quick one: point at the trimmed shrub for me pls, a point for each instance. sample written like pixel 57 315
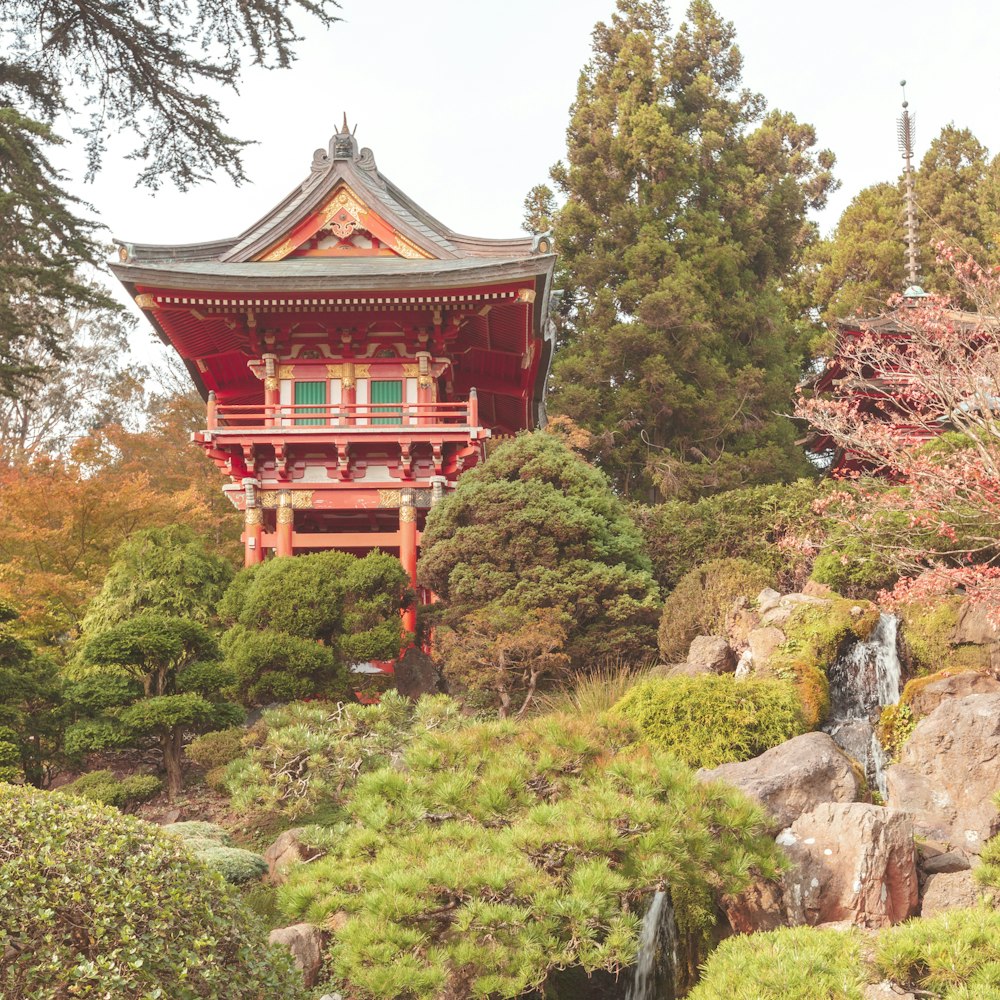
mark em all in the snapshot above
pixel 216 749
pixel 710 720
pixel 792 963
pixel 702 599
pixel 104 787
pixel 93 903
pixel 234 864
pixel 199 828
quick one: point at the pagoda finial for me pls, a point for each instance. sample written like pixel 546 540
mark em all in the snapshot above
pixel 344 129
pixel 905 128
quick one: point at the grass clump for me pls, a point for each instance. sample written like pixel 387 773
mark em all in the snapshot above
pixel 104 787
pixel 489 855
pixel 702 599
pixel 710 720
pixel 793 963
pixel 595 691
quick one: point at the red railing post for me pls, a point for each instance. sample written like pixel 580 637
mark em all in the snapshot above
pixel 212 418
pixel 473 408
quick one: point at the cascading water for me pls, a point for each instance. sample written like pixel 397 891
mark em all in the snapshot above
pixel 655 973
pixel 862 682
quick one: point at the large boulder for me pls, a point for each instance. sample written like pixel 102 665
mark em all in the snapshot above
pixel 926 697
pixel 850 862
pixel 949 771
pixel 710 654
pixel 950 891
pixel 289 849
pixel 762 643
pixel 305 942
pixel 794 777
pixel 975 625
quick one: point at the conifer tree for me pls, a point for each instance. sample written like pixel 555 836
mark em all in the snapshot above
pixel 685 212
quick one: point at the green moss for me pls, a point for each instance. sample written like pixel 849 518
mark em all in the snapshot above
pixel 710 720
pixel 895 726
pixel 815 635
pixel 927 630
pixel 793 963
pixel 701 600
pixel 198 828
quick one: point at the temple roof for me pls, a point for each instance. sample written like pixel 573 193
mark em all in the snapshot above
pixel 342 177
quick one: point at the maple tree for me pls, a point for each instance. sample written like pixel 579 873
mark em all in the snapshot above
pixel 919 412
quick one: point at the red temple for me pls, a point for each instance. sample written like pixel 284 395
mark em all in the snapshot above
pixel 355 355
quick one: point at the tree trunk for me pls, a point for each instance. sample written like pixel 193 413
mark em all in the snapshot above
pixel 172 742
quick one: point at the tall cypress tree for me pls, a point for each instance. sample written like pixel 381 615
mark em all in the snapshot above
pixel 685 212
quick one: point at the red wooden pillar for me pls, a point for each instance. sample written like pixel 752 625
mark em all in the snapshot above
pixel 285 517
pixel 253 552
pixel 408 550
pixel 272 395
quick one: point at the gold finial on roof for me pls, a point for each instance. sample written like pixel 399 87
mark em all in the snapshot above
pixel 344 129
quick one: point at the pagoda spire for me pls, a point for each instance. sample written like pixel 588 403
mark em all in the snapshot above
pixel 905 130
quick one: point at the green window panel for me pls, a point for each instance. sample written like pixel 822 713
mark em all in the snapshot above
pixel 310 392
pixel 387 391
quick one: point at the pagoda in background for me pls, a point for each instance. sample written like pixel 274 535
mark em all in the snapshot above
pixel 354 353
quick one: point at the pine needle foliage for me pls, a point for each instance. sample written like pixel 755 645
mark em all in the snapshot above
pixel 487 855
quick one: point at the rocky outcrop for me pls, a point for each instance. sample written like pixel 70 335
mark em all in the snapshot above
pixel 950 891
pixel 851 862
pixel 925 698
pixel 794 777
pixel 710 654
pixel 305 942
pixel 776 609
pixel 974 625
pixel 289 849
pixel 949 771
pixel 762 643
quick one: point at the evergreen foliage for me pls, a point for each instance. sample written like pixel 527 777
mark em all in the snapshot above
pixel 32 713
pixel 102 786
pixel 535 527
pixel 179 693
pixel 710 720
pixel 702 600
pixel 485 856
pixel 863 263
pixel 295 624
pixel 210 844
pixel 685 214
pixel 94 903
pixel 168 570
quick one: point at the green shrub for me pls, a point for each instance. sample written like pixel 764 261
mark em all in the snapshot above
pixel 216 749
pixel 710 720
pixel 96 904
pixel 486 856
pixel 104 787
pixel 792 963
pixel 895 727
pixel 954 956
pixel 747 524
pixel 234 864
pixel 702 599
pixel 199 828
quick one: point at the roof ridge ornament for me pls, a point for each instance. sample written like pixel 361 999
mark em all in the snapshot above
pixel 342 146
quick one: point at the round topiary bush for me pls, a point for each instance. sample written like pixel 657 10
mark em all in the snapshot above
pixel 710 720
pixel 216 749
pixel 93 903
pixel 699 603
pixel 104 787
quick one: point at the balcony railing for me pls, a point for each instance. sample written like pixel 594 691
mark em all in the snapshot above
pixel 265 418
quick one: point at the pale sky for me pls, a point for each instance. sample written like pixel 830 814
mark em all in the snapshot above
pixel 465 104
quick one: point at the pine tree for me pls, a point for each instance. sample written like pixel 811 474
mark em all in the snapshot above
pixel 863 264
pixel 685 212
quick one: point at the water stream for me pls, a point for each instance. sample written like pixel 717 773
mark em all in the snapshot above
pixel 655 974
pixel 863 681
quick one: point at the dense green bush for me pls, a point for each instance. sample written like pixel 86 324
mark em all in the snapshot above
pixel 104 787
pixel 212 846
pixel 702 599
pixel 792 963
pixel 96 904
pixel 710 720
pixel 753 523
pixel 216 749
pixel 535 527
pixel 485 856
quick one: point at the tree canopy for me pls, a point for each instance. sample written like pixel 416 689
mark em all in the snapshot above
pixel 686 210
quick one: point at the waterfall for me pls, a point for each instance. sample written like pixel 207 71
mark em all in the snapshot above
pixel 863 681
pixel 655 973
